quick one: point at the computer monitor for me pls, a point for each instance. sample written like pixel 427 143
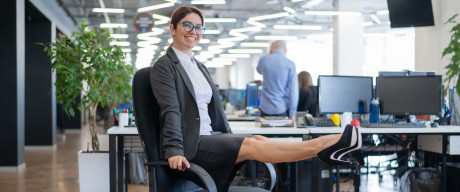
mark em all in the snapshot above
pixel 415 95
pixel 236 97
pixel 338 94
pixel 252 96
pixel 410 13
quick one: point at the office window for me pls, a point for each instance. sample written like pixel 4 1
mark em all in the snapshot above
pixel 313 54
pixel 393 51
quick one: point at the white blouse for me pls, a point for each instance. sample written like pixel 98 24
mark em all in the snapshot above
pixel 203 91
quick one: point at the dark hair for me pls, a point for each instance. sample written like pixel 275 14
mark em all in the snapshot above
pixel 305 81
pixel 183 11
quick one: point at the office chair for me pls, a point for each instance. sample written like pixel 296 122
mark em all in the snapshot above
pixel 160 176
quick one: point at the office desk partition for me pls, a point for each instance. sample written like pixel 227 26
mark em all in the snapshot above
pixel 116 141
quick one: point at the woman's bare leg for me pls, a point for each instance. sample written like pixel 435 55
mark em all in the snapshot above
pixel 265 150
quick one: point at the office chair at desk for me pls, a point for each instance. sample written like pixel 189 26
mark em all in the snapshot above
pixel 161 177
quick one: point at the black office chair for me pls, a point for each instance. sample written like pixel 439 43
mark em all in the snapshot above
pixel 161 177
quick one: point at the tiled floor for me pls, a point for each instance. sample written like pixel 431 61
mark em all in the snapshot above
pixel 56 170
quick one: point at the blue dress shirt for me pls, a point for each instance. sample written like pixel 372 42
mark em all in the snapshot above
pixel 280 85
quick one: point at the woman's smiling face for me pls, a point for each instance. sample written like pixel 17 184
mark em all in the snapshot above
pixel 183 40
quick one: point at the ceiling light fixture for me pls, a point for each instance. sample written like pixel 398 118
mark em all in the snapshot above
pixel 235 55
pixel 219 20
pixel 297 0
pixel 119 36
pixel 332 13
pixel 375 18
pixel 205 41
pixel 160 19
pixel 312 3
pixel 383 12
pixel 288 9
pixel 269 16
pixel 108 10
pixel 154 7
pixel 368 23
pixel 126 50
pixel 275 37
pixel 245 51
pixel 211 32
pixel 250 44
pixel 203 2
pixel 120 43
pixel 113 25
pixel 300 27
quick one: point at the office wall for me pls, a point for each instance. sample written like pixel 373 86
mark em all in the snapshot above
pixel 38 125
pixel 12 85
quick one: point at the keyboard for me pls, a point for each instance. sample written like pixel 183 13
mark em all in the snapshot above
pixel 395 125
pixel 274 117
pixel 322 122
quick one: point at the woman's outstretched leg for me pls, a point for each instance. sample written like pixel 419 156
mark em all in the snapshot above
pixel 265 150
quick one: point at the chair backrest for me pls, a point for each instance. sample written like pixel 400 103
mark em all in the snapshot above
pixel 146 110
pixel 147 113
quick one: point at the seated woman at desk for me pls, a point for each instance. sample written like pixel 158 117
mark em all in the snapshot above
pixel 307 94
pixel 191 115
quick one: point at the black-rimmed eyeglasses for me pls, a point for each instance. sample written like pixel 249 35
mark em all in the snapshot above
pixel 188 27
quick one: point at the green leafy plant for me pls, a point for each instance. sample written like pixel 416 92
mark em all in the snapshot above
pixel 453 49
pixel 87 64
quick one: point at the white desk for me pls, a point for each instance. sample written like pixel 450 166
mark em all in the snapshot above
pixel 116 135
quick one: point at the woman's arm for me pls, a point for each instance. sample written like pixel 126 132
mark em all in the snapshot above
pixel 163 83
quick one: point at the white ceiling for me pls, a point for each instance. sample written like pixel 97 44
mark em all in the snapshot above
pixel 239 9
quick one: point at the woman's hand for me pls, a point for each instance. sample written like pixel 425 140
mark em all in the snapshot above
pixel 176 162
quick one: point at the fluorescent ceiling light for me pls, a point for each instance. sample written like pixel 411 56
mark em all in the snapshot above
pixel 269 16
pixel 219 20
pixel 211 32
pixel 332 13
pixel 260 25
pixel 170 40
pixel 196 48
pixel 165 47
pixel 312 3
pixel 126 50
pixel 205 41
pixel 160 19
pixel 245 51
pixel 120 43
pixel 275 37
pixel 119 36
pixel 108 10
pixel 224 59
pixel 254 44
pixel 201 2
pixel 288 9
pixel 246 29
pixel 383 12
pixel 300 27
pixel 154 7
pixel 297 0
pixel 375 18
pixel 113 25
pixel 235 55
pixel 368 23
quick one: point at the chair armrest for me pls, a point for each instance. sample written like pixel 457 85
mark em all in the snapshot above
pixel 272 172
pixel 195 169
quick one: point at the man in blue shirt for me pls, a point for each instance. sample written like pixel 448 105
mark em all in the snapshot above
pixel 280 93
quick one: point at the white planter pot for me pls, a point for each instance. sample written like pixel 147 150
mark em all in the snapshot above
pixel 93 170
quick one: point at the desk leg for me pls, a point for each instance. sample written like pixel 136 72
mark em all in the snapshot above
pixel 120 162
pixel 444 166
pixel 113 162
pixel 337 178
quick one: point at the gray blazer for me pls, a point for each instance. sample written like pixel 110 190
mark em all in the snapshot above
pixel 179 117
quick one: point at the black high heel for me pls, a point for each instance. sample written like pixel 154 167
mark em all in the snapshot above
pixel 350 141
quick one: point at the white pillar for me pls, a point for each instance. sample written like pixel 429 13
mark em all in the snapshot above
pixel 348 39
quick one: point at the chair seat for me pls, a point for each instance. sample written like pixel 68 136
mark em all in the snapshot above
pixel 246 189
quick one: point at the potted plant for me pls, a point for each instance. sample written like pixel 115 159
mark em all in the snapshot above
pixel 86 64
pixel 453 49
pixel 452 75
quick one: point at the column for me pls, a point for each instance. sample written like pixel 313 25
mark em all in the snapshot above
pixel 12 83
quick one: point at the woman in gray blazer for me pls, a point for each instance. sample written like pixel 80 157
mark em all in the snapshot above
pixel 191 114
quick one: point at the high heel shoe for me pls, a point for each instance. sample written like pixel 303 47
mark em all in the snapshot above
pixel 350 141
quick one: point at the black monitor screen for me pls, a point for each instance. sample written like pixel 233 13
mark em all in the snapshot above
pixel 252 95
pixel 417 95
pixel 410 13
pixel 338 94
pixel 236 97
